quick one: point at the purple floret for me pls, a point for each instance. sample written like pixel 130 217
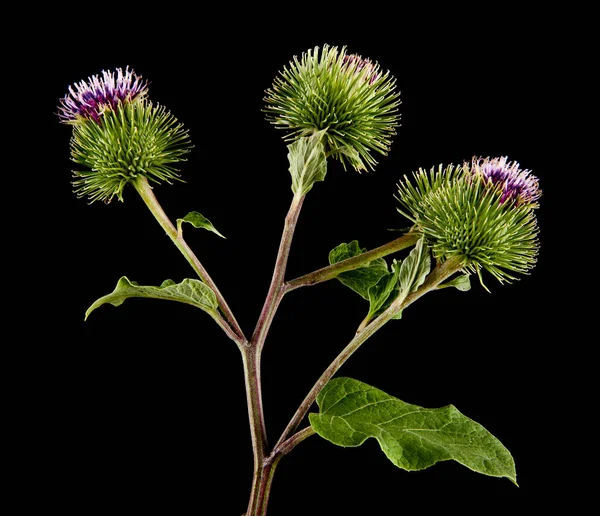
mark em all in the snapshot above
pixel 518 185
pixel 88 100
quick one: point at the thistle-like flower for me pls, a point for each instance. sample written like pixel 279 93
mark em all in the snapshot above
pixel 517 185
pixel 464 212
pixel 119 136
pixel 89 100
pixel 348 96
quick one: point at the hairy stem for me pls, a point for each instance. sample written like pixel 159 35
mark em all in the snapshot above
pixel 438 275
pixel 261 488
pixel 288 445
pixel 263 471
pixel 331 271
pixel 276 289
pixel 232 328
pixel 258 432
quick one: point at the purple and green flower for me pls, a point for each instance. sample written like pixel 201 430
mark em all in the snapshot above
pixel 481 212
pixel 119 136
pixel 88 100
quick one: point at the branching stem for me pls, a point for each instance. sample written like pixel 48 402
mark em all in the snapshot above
pixel 332 271
pixel 438 275
pixel 231 326
pixel 252 352
pixel 265 463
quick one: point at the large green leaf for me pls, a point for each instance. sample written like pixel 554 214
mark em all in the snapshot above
pixel 190 291
pixel 362 279
pixel 308 162
pixel 412 437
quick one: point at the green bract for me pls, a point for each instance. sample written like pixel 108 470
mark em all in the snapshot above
pixel 136 139
pixel 343 94
pixel 463 214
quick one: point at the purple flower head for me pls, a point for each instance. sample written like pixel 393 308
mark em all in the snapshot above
pixel 88 100
pixel 357 63
pixel 518 185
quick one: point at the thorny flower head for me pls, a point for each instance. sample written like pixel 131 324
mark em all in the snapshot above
pixel 119 136
pixel 517 185
pixel 347 96
pixel 488 222
pixel 88 100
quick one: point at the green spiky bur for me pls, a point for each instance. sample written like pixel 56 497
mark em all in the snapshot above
pixel 462 215
pixel 343 94
pixel 136 139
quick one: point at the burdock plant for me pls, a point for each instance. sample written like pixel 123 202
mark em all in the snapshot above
pixel 475 217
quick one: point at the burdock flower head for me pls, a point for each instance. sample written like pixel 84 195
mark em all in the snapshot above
pixel 348 97
pixel 119 136
pixel 89 100
pixel 516 184
pixel 482 213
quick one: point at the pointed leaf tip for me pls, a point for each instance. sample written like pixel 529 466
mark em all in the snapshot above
pixel 462 283
pixel 199 221
pixel 189 291
pixel 412 437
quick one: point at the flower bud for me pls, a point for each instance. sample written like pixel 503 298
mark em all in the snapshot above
pixel 345 95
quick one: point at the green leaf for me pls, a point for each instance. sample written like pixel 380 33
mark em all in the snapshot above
pixel 382 293
pixel 308 162
pixel 414 268
pixel 345 251
pixel 353 157
pixel 197 220
pixel 362 279
pixel 405 278
pixel 190 291
pixel 412 437
pixel 462 283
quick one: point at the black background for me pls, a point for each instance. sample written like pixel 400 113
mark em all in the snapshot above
pixel 142 407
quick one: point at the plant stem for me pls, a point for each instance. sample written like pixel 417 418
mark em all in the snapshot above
pixel 263 478
pixel 438 275
pixel 263 470
pixel 288 445
pixel 261 489
pixel 232 328
pixel 276 289
pixel 331 271
pixel 251 361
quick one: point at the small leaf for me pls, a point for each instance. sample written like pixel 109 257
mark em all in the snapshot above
pixel 412 437
pixel 381 294
pixel 414 268
pixel 308 162
pixel 362 279
pixel 462 283
pixel 409 274
pixel 197 220
pixel 353 157
pixel 190 291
